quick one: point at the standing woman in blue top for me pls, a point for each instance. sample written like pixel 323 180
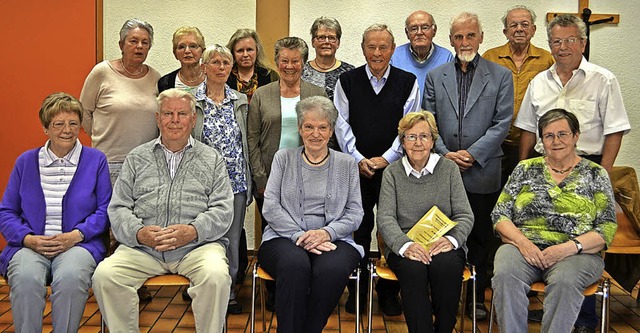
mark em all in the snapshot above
pixel 54 216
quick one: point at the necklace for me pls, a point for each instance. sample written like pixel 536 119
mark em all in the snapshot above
pixel 132 74
pixel 315 163
pixel 560 171
pixel 315 61
pixel 189 82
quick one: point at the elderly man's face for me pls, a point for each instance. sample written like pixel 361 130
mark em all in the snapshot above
pixel 420 30
pixel 567 46
pixel 520 28
pixel 466 38
pixel 175 121
pixel 377 49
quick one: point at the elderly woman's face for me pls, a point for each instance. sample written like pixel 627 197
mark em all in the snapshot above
pixel 188 52
pixel 315 131
pixel 290 65
pixel 135 46
pixel 558 140
pixel 417 144
pixel 217 68
pixel 63 132
pixel 325 42
pixel 245 52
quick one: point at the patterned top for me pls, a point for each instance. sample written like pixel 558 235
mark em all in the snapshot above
pixel 548 213
pixel 325 79
pixel 221 131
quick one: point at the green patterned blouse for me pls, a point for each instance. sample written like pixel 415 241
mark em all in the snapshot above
pixel 548 213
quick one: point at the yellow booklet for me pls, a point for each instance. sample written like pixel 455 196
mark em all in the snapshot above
pixel 433 225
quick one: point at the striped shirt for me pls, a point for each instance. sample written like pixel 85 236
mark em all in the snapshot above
pixel 174 159
pixel 55 176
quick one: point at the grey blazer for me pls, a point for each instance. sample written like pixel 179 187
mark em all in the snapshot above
pixel 264 126
pixel 240 110
pixel 485 119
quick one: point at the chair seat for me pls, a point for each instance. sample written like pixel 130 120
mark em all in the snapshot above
pixel 261 273
pixel 591 290
pixel 167 280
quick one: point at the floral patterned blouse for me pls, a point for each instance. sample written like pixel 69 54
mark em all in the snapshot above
pixel 221 131
pixel 550 213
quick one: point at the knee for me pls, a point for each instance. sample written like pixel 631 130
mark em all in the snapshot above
pixel 103 276
pixel 72 279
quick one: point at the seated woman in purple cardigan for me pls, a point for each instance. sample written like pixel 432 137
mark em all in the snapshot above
pixel 53 216
pixel 312 204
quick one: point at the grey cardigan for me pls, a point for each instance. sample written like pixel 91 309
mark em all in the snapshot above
pixel 240 110
pixel 284 198
pixel 405 199
pixel 199 194
pixel 264 126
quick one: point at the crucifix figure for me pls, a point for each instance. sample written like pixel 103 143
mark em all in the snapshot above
pixel 589 19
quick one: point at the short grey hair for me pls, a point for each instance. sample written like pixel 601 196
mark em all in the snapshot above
pixel 133 23
pixel 179 94
pixel 292 43
pixel 465 17
pixel 210 51
pixel 327 22
pixel 406 21
pixel 518 7
pixel 377 27
pixel 554 115
pixel 318 104
pixel 568 20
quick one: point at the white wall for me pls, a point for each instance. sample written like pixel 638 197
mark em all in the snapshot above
pixel 219 20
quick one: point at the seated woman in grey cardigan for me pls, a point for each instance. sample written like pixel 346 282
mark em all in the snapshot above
pixel 430 280
pixel 312 204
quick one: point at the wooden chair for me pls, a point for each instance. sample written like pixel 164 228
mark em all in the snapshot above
pixel 260 274
pixel 601 288
pixel 380 269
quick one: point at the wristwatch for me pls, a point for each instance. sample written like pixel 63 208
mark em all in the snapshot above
pixel 578 245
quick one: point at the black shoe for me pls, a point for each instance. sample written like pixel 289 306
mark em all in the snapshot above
pixel 270 303
pixel 583 329
pixel 144 295
pixel 350 305
pixel 234 307
pixel 535 315
pixel 481 311
pixel 185 296
pixel 390 306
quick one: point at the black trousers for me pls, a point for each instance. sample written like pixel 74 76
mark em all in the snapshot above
pixel 370 191
pixel 482 241
pixel 308 286
pixel 430 289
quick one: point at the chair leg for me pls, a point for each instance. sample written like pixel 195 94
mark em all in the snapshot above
pixel 463 300
pixel 473 288
pixel 604 325
pixel 263 306
pixel 253 298
pixel 491 311
pixel 358 314
pixel 372 273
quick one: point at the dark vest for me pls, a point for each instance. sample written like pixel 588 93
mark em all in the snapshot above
pixel 374 118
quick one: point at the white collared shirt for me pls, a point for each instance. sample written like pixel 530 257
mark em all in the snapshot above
pixel 174 159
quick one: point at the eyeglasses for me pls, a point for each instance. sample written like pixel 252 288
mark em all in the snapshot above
pixel 330 39
pixel 569 41
pixel 414 29
pixel 306 128
pixel 415 137
pixel 59 125
pixel 524 24
pixel 184 47
pixel 562 136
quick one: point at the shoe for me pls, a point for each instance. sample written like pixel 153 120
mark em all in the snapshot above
pixel 144 295
pixel 185 296
pixel 390 306
pixel 535 315
pixel 583 329
pixel 481 311
pixel 234 307
pixel 350 305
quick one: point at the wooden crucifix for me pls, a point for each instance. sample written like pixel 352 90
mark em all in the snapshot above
pixel 589 19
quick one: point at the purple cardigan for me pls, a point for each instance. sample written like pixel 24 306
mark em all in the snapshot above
pixel 84 206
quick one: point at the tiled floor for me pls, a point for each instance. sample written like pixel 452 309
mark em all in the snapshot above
pixel 167 312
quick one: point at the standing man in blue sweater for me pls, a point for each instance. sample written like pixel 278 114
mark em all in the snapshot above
pixel 421 54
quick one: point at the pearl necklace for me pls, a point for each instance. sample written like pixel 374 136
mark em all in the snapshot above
pixel 189 82
pixel 132 74
pixel 315 163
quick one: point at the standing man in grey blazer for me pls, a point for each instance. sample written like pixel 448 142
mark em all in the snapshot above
pixel 472 100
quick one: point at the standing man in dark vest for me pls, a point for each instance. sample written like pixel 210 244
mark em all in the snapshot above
pixel 371 99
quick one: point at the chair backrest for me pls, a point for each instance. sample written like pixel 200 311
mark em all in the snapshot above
pixel 627 193
pixel 626 236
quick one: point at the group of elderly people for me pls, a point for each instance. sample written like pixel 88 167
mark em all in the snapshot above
pixel 231 129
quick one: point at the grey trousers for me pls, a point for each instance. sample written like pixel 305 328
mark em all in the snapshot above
pixel 566 281
pixel 233 252
pixel 70 275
